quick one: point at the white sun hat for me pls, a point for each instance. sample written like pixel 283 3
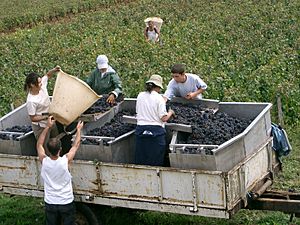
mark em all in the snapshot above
pixel 157 80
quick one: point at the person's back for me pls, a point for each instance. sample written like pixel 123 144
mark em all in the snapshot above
pixel 58 191
pixel 151 117
pixel 147 107
pixel 57 180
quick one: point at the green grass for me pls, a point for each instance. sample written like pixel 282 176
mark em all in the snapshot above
pixel 29 211
pixel 19 210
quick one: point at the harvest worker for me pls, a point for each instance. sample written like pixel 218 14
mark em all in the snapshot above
pixel 151 33
pixel 38 101
pixel 187 85
pixel 151 117
pixel 58 191
pixel 105 80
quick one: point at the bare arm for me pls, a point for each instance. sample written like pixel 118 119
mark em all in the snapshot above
pixel 158 33
pixel 38 118
pixel 168 116
pixel 50 73
pixel 165 99
pixel 146 34
pixel 41 140
pixel 70 155
pixel 192 95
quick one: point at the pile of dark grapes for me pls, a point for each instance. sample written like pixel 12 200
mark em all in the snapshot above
pixel 193 150
pixel 114 128
pixel 101 105
pixel 20 129
pixel 207 128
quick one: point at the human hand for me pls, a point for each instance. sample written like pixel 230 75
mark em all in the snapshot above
pixel 50 121
pixel 56 69
pixel 172 112
pixel 191 95
pixel 79 125
pixel 52 71
pixel 165 98
pixel 111 99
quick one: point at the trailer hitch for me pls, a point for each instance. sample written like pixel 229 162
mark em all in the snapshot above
pixel 256 194
pixel 283 201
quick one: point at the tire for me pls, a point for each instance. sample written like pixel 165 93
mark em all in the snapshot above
pixel 84 215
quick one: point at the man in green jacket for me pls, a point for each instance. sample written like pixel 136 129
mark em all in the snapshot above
pixel 105 80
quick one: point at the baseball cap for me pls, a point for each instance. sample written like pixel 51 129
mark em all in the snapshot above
pixel 102 61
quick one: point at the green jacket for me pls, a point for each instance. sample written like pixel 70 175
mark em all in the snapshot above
pixel 109 83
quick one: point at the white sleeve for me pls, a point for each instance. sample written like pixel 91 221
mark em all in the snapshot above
pixel 162 111
pixel 44 82
pixel 200 83
pixel 31 108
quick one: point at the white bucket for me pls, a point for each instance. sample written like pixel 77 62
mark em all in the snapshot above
pixel 156 21
pixel 71 97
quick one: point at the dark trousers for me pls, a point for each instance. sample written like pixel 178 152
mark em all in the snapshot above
pixel 150 145
pixel 60 214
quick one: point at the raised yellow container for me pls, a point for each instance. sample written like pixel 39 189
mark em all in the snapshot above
pixel 71 97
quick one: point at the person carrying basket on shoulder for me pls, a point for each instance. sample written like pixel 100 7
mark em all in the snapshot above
pixel 151 32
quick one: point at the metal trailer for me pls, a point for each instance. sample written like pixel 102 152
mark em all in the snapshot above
pixel 202 192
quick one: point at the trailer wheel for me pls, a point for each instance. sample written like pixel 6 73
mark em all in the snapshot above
pixel 85 216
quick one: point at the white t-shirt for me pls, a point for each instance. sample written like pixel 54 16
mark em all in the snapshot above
pixel 57 181
pixel 152 35
pixel 38 104
pixel 150 108
pixel 192 84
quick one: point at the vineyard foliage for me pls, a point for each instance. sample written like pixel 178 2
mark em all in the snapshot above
pixel 16 13
pixel 243 50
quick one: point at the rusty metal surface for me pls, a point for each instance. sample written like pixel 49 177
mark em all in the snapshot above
pixel 161 207
pixel 217 191
pixel 19 171
pixel 133 204
pixel 245 175
pixel 197 192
